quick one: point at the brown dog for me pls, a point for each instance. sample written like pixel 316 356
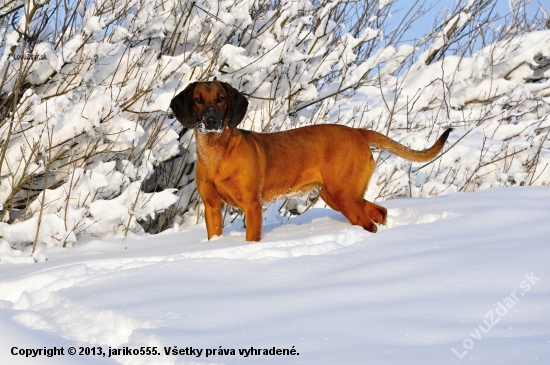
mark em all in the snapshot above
pixel 247 169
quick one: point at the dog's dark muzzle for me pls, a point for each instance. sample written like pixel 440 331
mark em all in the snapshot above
pixel 212 120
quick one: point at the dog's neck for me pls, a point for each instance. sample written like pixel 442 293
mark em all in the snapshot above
pixel 211 147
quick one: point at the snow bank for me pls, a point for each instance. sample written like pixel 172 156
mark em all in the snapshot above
pixel 408 294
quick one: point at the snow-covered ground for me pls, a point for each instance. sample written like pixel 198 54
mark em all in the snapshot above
pixel 437 279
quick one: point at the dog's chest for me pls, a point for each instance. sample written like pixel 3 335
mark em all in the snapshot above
pixel 223 184
pixel 227 199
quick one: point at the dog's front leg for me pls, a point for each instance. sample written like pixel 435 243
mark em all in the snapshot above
pixel 213 217
pixel 212 209
pixel 253 215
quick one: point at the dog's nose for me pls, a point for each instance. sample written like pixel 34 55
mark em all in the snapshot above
pixel 211 122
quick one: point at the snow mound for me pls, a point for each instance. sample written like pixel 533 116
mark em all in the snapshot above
pixel 408 294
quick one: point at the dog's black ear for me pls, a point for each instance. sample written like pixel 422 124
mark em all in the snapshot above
pixel 182 104
pixel 239 105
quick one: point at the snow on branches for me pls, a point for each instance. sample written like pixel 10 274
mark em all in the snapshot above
pixel 90 149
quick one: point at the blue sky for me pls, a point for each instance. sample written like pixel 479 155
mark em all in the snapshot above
pixel 426 23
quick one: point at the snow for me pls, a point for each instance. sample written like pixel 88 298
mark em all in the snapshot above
pixel 92 135
pixel 95 113
pixel 409 294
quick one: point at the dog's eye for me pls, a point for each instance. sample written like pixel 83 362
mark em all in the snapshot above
pixel 198 100
pixel 220 99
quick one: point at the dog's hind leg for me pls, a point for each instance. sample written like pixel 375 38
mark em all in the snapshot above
pixel 347 197
pixel 376 212
pixel 354 208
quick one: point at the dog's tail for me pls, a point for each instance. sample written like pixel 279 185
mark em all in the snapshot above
pixel 381 141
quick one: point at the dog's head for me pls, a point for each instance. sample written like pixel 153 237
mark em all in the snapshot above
pixel 211 106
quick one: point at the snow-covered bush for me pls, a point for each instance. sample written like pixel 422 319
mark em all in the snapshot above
pixel 90 149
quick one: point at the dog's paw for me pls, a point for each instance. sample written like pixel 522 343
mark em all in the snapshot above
pixel 371 228
pixel 377 213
